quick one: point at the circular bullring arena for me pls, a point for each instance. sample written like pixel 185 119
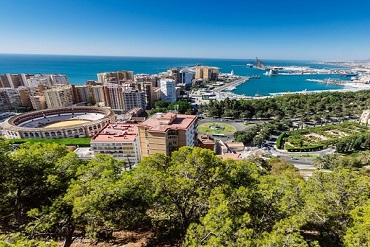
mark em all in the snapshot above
pixel 66 122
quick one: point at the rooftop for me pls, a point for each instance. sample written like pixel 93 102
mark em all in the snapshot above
pixel 117 132
pixel 161 122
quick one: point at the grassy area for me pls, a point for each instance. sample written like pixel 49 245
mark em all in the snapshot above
pixel 223 128
pixel 323 135
pixel 63 141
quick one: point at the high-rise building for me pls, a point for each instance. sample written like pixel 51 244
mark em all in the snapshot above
pixel 168 90
pixel 57 79
pixel 174 73
pixel 59 97
pixel 156 94
pixel 147 89
pixel 12 80
pixel 9 98
pixel 48 80
pixel 132 99
pixel 90 93
pixel 165 133
pixel 38 102
pixel 113 97
pixel 186 77
pixel 24 95
pixel 206 73
pixel 118 77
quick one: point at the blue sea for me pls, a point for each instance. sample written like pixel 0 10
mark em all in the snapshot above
pixel 79 69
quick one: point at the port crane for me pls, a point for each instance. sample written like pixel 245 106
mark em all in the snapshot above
pixel 260 64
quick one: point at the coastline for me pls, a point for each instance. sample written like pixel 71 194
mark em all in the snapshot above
pixel 221 94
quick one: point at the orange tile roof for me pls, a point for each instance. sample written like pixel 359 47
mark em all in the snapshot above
pixel 161 122
pixel 117 132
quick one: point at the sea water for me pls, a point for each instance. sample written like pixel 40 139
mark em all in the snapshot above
pixel 80 69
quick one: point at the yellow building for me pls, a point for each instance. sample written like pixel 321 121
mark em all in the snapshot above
pixel 206 73
pixel 166 132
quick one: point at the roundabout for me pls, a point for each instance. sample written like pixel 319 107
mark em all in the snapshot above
pixel 216 128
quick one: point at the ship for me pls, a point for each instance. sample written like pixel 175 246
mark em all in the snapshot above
pixel 349 73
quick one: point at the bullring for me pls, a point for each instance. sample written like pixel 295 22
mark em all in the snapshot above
pixel 65 122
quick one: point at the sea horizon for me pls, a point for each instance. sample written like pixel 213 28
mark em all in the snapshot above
pixel 81 68
pixel 170 57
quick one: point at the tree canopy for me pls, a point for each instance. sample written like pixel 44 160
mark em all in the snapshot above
pixel 191 198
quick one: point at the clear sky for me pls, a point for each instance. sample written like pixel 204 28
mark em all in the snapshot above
pixel 311 29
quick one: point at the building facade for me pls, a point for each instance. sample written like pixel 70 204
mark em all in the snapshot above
pixel 9 98
pixel 168 90
pixel 165 133
pixel 132 99
pixel 206 73
pixel 59 96
pixel 119 140
pixel 118 77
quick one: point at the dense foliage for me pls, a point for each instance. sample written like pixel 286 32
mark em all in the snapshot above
pixel 260 133
pixel 190 198
pixel 316 107
pixel 182 107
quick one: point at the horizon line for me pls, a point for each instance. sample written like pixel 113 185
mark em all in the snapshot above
pixel 215 58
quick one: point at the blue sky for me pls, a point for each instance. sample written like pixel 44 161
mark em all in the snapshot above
pixel 267 29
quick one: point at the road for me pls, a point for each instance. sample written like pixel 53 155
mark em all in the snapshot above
pixel 302 160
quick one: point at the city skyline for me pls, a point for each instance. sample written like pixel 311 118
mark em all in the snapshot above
pixel 207 29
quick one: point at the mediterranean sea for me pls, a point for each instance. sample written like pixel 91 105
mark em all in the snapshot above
pixel 79 69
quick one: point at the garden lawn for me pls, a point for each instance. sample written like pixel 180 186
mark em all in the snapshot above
pixel 227 129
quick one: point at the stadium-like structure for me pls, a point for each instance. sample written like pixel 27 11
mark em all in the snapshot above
pixel 66 122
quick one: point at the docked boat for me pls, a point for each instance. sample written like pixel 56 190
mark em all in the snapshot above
pixel 350 73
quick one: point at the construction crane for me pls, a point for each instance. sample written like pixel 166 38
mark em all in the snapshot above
pixel 260 64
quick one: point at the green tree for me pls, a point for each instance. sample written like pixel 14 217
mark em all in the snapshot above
pixel 160 104
pixel 24 183
pixel 181 106
pixel 329 197
pixel 180 185
pixel 359 234
pixel 103 198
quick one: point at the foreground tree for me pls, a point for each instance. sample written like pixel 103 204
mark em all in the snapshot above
pixel 329 197
pixel 25 180
pixel 359 233
pixel 180 186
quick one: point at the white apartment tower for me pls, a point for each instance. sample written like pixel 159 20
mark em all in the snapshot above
pixel 168 90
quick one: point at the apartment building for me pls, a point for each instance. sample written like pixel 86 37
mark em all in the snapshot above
pixel 47 80
pixel 206 73
pixel 186 77
pixel 167 132
pixel 132 99
pixel 168 90
pixel 119 140
pixel 9 98
pixel 118 77
pixel 13 80
pixel 59 97
pixel 38 102
pixel 90 93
